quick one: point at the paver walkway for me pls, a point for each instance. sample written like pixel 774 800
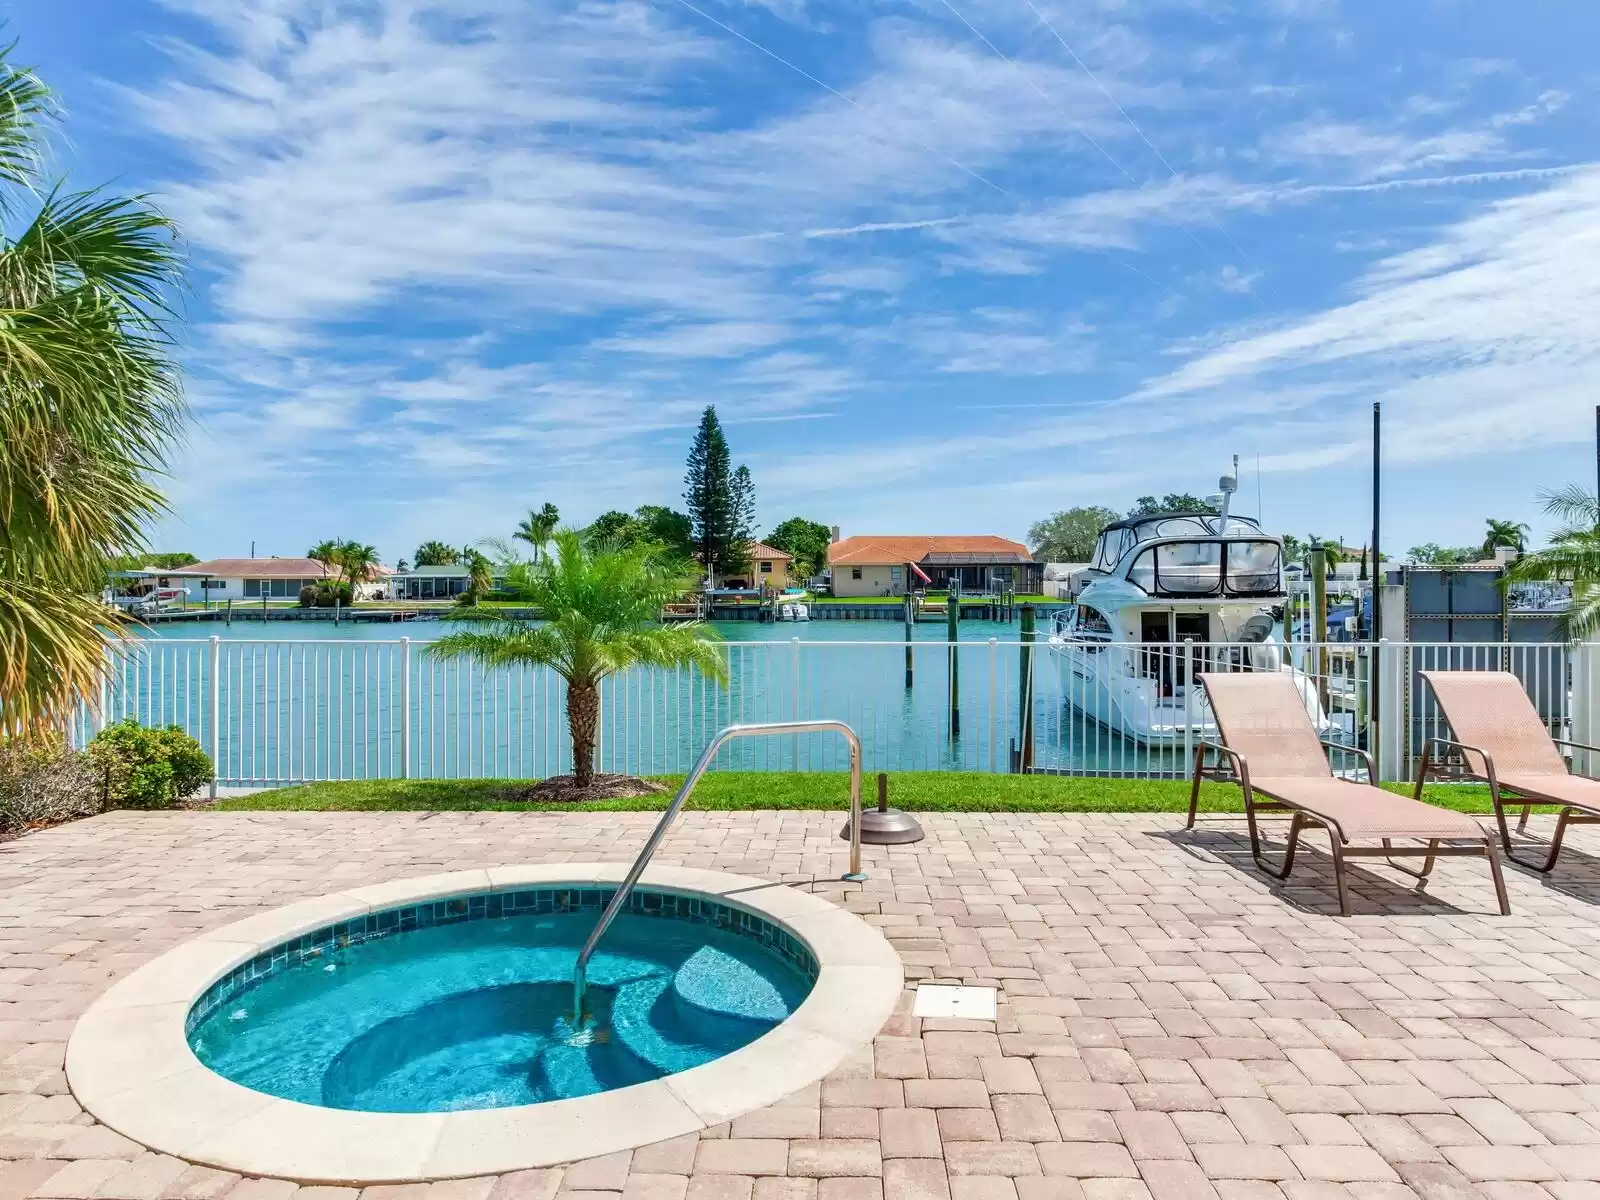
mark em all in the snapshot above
pixel 1169 1026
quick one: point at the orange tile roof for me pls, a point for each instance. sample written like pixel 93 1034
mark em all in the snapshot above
pixel 871 549
pixel 760 550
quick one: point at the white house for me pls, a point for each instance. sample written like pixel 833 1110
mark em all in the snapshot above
pixel 272 578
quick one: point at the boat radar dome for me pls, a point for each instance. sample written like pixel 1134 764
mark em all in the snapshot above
pixel 1228 485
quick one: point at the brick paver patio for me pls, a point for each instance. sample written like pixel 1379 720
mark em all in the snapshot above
pixel 1169 1026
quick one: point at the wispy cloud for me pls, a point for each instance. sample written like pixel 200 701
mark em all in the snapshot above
pixel 505 245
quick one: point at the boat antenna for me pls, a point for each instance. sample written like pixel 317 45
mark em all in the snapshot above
pixel 1228 485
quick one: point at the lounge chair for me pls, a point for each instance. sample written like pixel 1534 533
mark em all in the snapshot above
pixel 1273 751
pixel 1495 723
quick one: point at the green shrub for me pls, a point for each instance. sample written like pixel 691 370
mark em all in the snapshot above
pixel 43 781
pixel 327 594
pixel 308 596
pixel 144 767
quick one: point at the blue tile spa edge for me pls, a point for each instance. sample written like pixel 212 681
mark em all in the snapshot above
pixel 494 906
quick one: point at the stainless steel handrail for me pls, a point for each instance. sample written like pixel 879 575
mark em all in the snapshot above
pixel 580 981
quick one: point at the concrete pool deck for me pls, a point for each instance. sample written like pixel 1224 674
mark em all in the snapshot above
pixel 1169 1024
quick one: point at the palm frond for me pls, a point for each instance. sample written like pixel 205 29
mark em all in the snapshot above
pixel 53 653
pixel 90 407
pixel 25 104
pixel 1571 504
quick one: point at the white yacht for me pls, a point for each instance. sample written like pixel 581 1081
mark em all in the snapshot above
pixel 1165 597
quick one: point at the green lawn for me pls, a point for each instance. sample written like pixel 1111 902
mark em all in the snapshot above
pixel 918 791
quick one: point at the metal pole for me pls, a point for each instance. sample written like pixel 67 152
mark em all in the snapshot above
pixel 216 709
pixel 625 889
pixel 1025 693
pixel 1319 618
pixel 405 708
pixel 1374 707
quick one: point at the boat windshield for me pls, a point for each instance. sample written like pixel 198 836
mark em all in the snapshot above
pixel 1114 543
pixel 1233 568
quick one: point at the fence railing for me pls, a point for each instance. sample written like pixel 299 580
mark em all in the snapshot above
pixel 277 712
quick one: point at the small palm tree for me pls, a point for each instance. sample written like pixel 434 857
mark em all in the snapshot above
pixel 357 562
pixel 1512 535
pixel 1573 556
pixel 326 552
pixel 600 607
pixel 90 407
pixel 480 576
pixel 538 527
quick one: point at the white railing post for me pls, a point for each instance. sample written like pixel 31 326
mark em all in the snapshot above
pixel 215 733
pixel 794 700
pixel 1188 705
pixel 994 699
pixel 405 708
pixel 1584 714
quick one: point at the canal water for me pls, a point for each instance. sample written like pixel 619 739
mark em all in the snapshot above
pixel 281 701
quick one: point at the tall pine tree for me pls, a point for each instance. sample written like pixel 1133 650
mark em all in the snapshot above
pixel 709 493
pixel 744 520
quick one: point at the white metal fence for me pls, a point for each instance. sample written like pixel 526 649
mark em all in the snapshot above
pixel 273 712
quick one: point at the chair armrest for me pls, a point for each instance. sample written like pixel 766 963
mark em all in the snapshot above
pixel 1575 745
pixel 1427 756
pixel 1240 767
pixel 1366 757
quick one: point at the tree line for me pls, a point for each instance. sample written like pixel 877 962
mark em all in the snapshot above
pixel 1069 535
pixel 714 530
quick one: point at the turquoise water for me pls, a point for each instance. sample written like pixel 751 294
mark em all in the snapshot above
pixel 312 700
pixel 426 631
pixel 474 1015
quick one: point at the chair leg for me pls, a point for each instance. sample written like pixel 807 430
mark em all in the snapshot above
pixel 1194 786
pixel 1427 863
pixel 1250 822
pixel 1555 841
pixel 1493 856
pixel 1295 826
pixel 1500 819
pixel 1549 862
pixel 1522 821
pixel 1338 874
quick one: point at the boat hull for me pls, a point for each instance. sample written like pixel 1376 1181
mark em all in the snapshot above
pixel 1097 684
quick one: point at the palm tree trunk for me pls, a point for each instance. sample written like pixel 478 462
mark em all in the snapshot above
pixel 583 714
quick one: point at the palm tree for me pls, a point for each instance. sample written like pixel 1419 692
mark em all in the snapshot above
pixel 1511 534
pixel 1573 556
pixel 90 407
pixel 600 607
pixel 480 576
pixel 538 527
pixel 357 562
pixel 327 553
pixel 435 554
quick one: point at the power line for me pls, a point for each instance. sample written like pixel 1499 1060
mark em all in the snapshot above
pixel 1106 92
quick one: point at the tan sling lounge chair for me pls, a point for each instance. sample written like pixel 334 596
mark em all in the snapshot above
pixel 1504 743
pixel 1274 751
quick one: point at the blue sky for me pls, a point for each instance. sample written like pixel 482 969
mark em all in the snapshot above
pixel 942 265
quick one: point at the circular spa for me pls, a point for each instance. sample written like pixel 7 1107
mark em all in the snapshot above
pixel 423 1029
pixel 467 1002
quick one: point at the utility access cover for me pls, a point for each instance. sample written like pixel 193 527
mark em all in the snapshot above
pixel 948 1000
